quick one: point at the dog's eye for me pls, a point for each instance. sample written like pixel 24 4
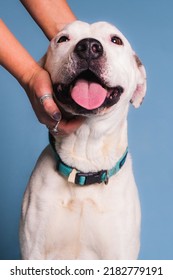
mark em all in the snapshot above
pixel 116 40
pixel 63 39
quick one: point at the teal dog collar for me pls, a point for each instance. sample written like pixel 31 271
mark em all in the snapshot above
pixel 83 179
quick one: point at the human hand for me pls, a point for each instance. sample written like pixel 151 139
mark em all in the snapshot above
pixel 47 111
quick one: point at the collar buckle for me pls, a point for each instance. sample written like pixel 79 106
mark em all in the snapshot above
pixel 91 178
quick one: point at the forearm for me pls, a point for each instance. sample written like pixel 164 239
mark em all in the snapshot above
pixel 15 58
pixel 50 15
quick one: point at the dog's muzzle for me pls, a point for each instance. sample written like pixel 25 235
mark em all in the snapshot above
pixel 87 91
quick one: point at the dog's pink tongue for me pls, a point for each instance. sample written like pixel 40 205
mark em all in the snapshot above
pixel 88 95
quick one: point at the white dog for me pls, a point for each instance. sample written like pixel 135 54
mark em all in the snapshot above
pixel 81 201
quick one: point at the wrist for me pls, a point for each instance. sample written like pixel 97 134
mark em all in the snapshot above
pixel 28 74
pixel 36 81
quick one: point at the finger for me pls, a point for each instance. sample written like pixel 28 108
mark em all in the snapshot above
pixel 45 119
pixel 51 109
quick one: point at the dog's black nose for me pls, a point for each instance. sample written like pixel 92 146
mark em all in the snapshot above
pixel 89 48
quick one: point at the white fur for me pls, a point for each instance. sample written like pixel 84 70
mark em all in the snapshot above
pixel 61 220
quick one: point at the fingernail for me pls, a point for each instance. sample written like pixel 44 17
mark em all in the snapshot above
pixel 57 116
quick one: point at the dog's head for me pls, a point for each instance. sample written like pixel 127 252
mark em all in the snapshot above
pixel 94 68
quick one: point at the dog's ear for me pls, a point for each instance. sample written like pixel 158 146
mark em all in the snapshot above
pixel 140 91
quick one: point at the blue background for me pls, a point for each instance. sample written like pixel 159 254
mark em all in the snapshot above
pixel 149 27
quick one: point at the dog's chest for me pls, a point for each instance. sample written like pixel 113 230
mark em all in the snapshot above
pixel 78 225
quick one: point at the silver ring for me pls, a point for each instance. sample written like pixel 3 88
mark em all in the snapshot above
pixel 44 97
pixel 55 129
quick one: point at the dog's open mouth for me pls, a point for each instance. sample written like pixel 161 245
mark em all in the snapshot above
pixel 88 92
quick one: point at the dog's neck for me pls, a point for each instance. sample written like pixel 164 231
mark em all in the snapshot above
pixel 97 144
